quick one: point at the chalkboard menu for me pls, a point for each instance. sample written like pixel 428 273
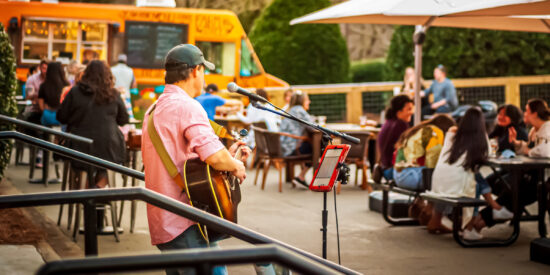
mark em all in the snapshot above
pixel 147 43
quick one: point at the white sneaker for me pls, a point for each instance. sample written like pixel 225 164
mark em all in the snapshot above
pixel 502 214
pixel 471 235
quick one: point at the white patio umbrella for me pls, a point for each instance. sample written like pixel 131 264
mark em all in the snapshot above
pixel 510 15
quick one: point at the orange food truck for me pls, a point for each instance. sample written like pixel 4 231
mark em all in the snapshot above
pixel 81 31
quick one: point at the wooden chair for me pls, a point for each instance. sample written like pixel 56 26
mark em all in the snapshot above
pixel 260 151
pixel 275 157
pixel 358 155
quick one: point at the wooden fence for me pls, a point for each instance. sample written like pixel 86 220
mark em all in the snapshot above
pixel 346 102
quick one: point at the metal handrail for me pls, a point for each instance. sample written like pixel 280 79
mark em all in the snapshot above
pixel 41 128
pixel 92 196
pixel 73 154
pixel 202 259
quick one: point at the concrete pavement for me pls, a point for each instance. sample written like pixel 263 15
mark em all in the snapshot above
pixel 368 244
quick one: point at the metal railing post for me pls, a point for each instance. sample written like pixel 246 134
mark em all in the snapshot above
pixel 90 228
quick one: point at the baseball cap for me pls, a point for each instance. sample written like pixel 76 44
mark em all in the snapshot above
pixel 186 55
pixel 122 57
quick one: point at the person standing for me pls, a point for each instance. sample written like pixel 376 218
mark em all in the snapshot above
pixel 124 81
pixel 444 93
pixel 210 101
pixel 183 127
pixel 49 93
pixel 93 109
pixel 33 113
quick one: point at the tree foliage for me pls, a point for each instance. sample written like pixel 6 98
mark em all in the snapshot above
pixel 470 53
pixel 300 54
pixel 368 72
pixel 8 86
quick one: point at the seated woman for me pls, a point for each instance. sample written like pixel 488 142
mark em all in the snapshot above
pixel 419 148
pixel 297 145
pixel 456 173
pixel 536 115
pixel 94 109
pixel 398 116
pixel 509 117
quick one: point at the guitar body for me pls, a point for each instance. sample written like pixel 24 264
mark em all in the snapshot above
pixel 216 192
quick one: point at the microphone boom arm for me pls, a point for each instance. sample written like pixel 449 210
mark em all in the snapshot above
pixel 327 132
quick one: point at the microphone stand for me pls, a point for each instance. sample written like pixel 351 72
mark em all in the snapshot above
pixel 325 140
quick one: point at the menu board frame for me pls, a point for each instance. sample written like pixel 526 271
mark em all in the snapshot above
pixel 153 43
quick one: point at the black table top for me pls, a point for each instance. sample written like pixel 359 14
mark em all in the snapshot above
pixel 521 162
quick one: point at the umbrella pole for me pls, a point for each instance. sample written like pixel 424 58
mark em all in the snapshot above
pixel 418 39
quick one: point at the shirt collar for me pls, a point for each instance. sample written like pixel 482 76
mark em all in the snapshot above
pixel 171 88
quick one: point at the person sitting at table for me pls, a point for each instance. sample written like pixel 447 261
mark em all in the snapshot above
pixel 210 101
pixel 398 116
pixel 94 109
pixel 299 144
pixel 287 96
pixel 443 91
pixel 419 148
pixel 509 117
pixel 456 173
pixel 536 115
pixel 254 115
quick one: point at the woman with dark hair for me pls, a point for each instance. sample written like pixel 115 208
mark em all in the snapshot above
pixel 419 148
pixel 537 115
pixel 456 173
pixel 398 116
pixel 50 92
pixel 94 109
pixel 297 142
pixel 509 116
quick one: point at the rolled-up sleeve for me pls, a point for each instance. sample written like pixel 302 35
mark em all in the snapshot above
pixel 199 133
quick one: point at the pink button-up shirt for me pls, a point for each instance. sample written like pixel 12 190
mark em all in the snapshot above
pixel 183 126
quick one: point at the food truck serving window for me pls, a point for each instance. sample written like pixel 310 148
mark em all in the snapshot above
pixel 147 43
pixel 221 54
pixel 63 40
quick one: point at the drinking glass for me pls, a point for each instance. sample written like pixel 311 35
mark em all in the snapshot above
pixel 363 121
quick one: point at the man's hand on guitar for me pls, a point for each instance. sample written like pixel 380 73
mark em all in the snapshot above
pixel 240 171
pixel 245 150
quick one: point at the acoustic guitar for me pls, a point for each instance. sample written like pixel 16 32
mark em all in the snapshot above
pixel 213 191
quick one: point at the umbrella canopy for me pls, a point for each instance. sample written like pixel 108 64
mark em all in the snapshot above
pixel 493 14
pixel 508 15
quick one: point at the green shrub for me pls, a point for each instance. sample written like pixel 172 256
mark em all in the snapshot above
pixel 368 72
pixel 8 84
pixel 470 53
pixel 300 54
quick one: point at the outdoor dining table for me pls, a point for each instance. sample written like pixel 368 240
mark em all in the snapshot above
pixel 516 167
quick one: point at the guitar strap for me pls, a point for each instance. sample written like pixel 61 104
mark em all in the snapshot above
pixel 219 130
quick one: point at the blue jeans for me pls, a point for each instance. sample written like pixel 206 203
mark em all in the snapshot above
pixel 409 178
pixel 190 238
pixel 482 188
pixel 388 174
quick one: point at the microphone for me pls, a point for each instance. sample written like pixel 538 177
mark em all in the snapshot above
pixel 234 88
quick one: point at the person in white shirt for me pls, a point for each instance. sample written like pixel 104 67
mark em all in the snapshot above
pixel 456 173
pixel 254 115
pixel 124 81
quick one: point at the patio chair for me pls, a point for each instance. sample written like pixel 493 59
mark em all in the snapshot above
pixel 275 156
pixel 358 155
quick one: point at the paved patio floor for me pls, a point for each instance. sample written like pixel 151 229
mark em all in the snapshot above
pixel 368 244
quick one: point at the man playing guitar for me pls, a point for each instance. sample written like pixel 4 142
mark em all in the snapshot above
pixel 185 131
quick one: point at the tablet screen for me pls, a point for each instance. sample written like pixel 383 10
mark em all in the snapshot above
pixel 327 167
